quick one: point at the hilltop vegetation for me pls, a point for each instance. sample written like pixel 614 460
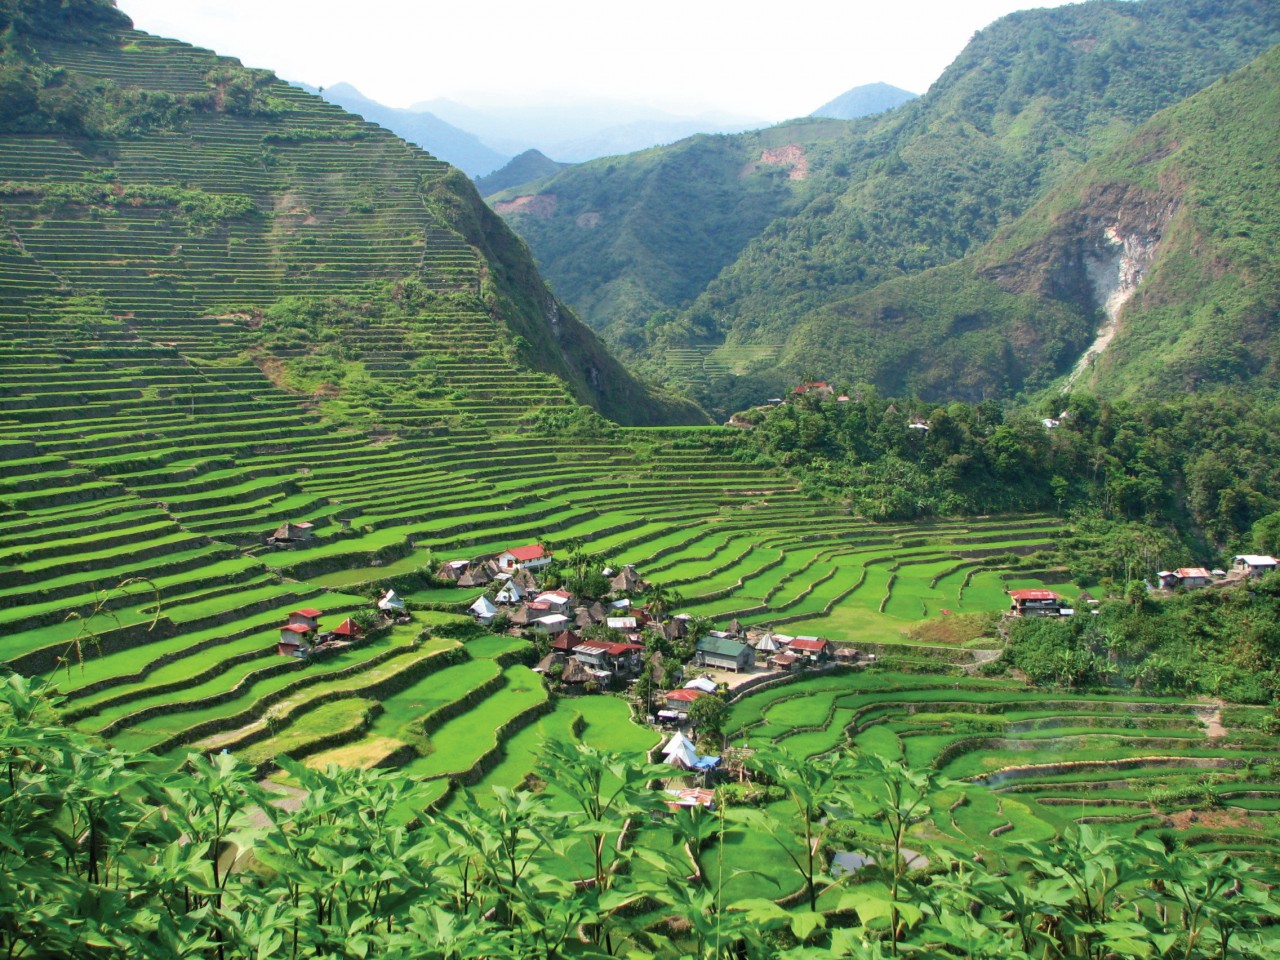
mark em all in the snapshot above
pixel 238 190
pixel 1179 224
pixel 1033 99
pixel 626 238
pixel 863 101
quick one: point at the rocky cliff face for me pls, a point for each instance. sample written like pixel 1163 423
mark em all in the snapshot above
pixel 1094 258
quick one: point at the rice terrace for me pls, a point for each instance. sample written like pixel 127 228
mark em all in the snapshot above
pixel 319 512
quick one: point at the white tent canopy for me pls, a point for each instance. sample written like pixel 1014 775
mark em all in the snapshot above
pixel 685 756
pixel 677 742
pixel 391 602
pixel 484 608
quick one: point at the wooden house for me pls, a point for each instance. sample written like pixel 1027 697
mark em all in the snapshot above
pixel 1252 565
pixel 679 700
pixel 786 662
pixel 724 654
pixel 291 534
pixel 813 649
pixel 1038 603
pixel 1189 578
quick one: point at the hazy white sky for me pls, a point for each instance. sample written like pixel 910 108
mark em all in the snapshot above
pixel 768 59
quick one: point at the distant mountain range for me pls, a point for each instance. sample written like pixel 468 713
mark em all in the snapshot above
pixel 574 131
pixel 864 101
pixel 529 166
pixel 793 249
pixel 462 149
pixel 480 141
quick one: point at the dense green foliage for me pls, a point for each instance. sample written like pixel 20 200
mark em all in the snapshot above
pixel 1191 194
pixel 103 858
pixel 625 238
pixel 1218 642
pixel 238 190
pixel 1200 465
pixel 1032 99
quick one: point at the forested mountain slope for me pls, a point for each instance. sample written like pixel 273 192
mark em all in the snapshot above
pixel 1169 245
pixel 626 238
pixel 160 184
pixel 1030 100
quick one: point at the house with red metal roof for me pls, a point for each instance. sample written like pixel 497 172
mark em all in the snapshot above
pixel 680 699
pixel 347 629
pixel 295 640
pixel 529 557
pixel 309 617
pixel 1189 578
pixel 815 649
pixel 1038 603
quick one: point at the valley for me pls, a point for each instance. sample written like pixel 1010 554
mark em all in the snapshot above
pixel 288 416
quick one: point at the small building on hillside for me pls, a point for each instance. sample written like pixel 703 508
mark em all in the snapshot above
pixel 551 623
pixel 511 592
pixel 724 654
pixel 451 570
pixel 705 684
pixel 479 573
pixel 1252 565
pixel 291 535
pixel 557 601
pixel 391 603
pixel 346 630
pixel 483 609
pixel 813 649
pixel 818 388
pixel 309 617
pixel 1189 578
pixel 626 581
pixel 566 641
pixel 611 658
pixel 786 662
pixel 680 699
pixel 1038 603
pixel 529 557
pixel 296 640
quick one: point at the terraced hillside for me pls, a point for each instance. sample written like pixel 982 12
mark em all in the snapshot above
pixel 1027 770
pixel 186 195
pixel 262 310
pixel 128 460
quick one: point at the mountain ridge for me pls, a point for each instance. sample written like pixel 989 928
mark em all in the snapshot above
pixel 450 143
pixel 864 100
pixel 1031 99
pixel 236 193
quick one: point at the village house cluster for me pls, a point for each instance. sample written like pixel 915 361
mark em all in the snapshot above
pixel 596 644
pixel 1244 566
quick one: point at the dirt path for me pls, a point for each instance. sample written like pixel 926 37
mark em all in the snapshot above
pixel 1211 717
pixel 290 799
pixel 979 658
